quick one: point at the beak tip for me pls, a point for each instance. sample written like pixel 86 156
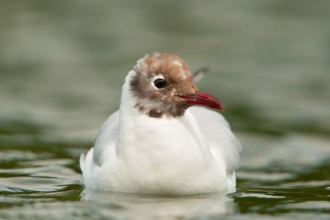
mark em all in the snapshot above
pixel 221 108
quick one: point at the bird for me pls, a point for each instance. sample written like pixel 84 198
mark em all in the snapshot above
pixel 166 138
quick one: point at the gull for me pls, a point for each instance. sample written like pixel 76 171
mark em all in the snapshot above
pixel 164 139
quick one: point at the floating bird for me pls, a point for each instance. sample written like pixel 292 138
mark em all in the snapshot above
pixel 161 140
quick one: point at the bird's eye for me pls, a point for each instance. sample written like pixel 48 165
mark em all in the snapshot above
pixel 160 83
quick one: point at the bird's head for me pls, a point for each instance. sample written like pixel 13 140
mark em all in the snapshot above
pixel 162 84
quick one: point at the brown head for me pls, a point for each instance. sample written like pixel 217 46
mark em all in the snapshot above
pixel 164 85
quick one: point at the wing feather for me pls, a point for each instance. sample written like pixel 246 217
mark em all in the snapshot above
pixel 216 130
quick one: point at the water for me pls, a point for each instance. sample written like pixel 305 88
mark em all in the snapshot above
pixel 62 65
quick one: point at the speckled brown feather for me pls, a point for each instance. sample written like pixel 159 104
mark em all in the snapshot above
pixel 156 103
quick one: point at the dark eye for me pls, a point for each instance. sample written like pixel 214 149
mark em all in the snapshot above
pixel 160 83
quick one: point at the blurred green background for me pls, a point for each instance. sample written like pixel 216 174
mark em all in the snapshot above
pixel 63 63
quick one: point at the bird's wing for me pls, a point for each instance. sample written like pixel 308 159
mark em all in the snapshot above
pixel 107 139
pixel 104 149
pixel 105 144
pixel 222 142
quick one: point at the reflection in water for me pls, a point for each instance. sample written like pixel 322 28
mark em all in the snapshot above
pixel 134 205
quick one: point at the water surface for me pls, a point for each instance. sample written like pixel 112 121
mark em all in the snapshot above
pixel 62 65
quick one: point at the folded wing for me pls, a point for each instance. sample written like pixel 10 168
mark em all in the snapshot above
pixel 223 143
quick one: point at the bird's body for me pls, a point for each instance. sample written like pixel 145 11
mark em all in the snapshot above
pixel 144 149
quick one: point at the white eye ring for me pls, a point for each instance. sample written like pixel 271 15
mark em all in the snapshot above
pixel 154 78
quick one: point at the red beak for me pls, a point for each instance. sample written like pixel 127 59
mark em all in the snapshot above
pixel 200 98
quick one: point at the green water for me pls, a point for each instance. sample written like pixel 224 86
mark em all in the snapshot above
pixel 62 65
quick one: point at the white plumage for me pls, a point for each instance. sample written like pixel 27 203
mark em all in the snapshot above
pixel 135 153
